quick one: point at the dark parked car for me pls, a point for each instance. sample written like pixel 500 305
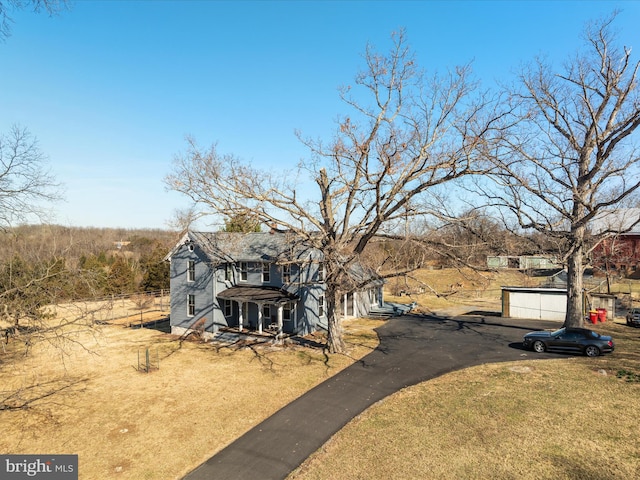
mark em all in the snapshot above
pixel 633 317
pixel 573 340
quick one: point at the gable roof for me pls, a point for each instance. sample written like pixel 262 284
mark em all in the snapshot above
pixel 271 247
pixel 231 247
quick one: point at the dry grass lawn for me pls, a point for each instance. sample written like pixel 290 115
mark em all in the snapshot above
pixel 159 425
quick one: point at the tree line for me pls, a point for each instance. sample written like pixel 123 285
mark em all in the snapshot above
pixel 47 264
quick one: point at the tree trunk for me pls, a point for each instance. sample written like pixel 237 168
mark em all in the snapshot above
pixel 575 297
pixel 335 340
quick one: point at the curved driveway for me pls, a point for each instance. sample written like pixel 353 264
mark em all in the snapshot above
pixel 412 349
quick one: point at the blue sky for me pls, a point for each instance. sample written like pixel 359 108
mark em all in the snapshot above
pixel 111 88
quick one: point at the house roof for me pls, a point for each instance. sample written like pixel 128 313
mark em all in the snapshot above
pixel 222 247
pixel 257 294
pixel 274 246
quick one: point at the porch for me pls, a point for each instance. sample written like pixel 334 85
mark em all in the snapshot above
pixel 260 320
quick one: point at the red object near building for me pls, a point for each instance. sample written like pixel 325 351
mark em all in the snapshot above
pixel 618 255
pixel 602 314
pixel 593 316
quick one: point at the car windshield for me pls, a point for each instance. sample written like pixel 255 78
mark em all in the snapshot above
pixel 558 332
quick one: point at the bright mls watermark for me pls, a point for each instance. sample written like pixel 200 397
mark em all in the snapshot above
pixel 50 467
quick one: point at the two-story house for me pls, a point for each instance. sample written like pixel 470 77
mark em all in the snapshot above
pixel 262 282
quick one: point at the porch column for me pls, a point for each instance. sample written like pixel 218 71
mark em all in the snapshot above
pixel 260 319
pixel 240 319
pixel 294 312
pixel 354 304
pixel 280 310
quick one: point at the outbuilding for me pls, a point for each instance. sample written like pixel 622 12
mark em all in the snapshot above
pixel 547 303
pixel 537 303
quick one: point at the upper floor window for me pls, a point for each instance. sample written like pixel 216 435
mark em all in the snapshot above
pixel 321 272
pixel 286 273
pixel 191 305
pixel 244 269
pixel 191 271
pixel 228 272
pixel 266 272
pixel 321 306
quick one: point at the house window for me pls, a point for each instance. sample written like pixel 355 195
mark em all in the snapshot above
pixel 191 271
pixel 227 308
pixel 244 268
pixel 296 271
pixel 286 312
pixel 266 272
pixel 266 312
pixel 286 273
pixel 321 272
pixel 321 306
pixel 228 272
pixel 191 305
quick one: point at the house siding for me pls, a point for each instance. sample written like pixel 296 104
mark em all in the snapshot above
pixel 206 311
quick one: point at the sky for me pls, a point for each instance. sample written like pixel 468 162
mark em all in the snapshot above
pixel 111 88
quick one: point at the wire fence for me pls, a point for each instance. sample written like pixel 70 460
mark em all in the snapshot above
pixel 131 308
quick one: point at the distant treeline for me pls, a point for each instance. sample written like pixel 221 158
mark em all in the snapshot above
pixel 42 264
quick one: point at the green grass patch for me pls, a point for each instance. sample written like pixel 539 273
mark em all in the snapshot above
pixel 628 375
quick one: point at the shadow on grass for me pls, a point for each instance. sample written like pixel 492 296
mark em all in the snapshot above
pixel 37 393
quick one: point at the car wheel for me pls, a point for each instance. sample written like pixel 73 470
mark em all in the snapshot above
pixel 539 346
pixel 592 351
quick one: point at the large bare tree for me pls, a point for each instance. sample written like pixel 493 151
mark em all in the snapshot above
pixel 571 157
pixel 407 134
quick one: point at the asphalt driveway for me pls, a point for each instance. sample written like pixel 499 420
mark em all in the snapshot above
pixel 413 349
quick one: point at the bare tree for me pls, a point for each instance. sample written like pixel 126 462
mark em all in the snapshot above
pixel 34 282
pixel 467 239
pixel 25 183
pixel 52 7
pixel 571 156
pixel 417 133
